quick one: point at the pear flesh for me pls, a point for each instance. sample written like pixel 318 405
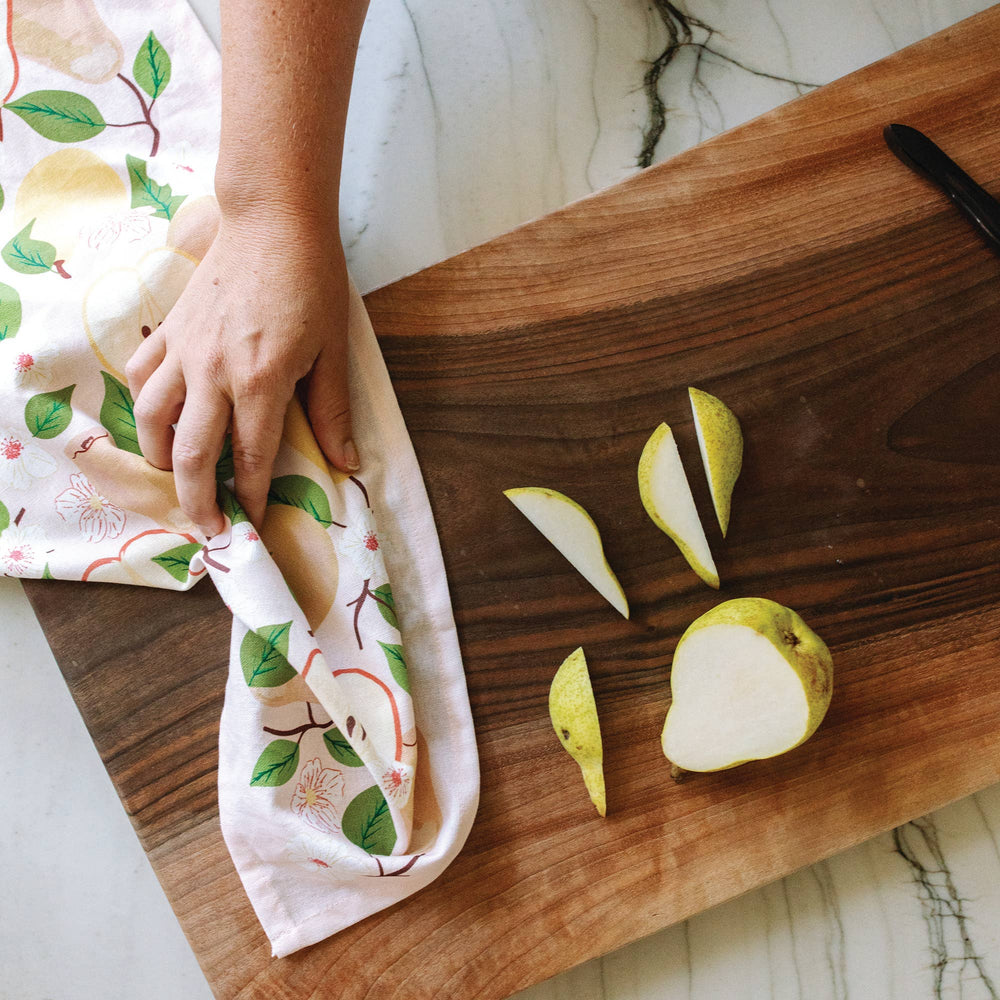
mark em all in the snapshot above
pixel 721 443
pixel 749 680
pixel 666 495
pixel 573 712
pixel 573 532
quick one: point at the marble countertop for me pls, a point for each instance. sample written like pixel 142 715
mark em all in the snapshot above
pixel 463 126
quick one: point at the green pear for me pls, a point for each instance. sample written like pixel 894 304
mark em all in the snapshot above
pixel 749 680
pixel 666 495
pixel 573 532
pixel 721 442
pixel 574 718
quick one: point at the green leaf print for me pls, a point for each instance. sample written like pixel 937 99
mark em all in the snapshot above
pixel 230 505
pixel 397 664
pixel 264 656
pixel 340 750
pixel 301 492
pixel 10 312
pixel 49 413
pixel 59 115
pixel 117 416
pixel 28 256
pixel 224 466
pixel 47 573
pixel 386 605
pixel 177 561
pixel 367 822
pixel 151 68
pixel 147 193
pixel 4 517
pixel 1 198
pixel 276 765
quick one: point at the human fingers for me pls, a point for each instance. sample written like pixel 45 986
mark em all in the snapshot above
pixel 257 424
pixel 156 408
pixel 201 431
pixel 328 403
pixel 148 356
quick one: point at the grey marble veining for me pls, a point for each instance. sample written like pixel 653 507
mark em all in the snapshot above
pixel 466 121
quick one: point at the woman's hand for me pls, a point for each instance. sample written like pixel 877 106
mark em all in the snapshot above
pixel 267 306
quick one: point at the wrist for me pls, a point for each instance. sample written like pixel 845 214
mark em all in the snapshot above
pixel 276 200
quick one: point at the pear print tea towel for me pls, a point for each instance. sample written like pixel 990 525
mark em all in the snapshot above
pixel 347 751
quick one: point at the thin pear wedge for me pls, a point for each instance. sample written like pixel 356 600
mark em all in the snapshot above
pixel 666 495
pixel 749 680
pixel 721 442
pixel 574 717
pixel 573 532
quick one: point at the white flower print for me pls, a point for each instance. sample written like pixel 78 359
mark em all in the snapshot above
pixel 360 543
pixel 32 368
pixel 250 541
pixel 21 551
pixel 133 225
pixel 327 857
pixel 397 782
pixel 22 461
pixel 98 518
pixel 318 796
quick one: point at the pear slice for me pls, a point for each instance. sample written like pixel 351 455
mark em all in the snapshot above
pixel 749 680
pixel 721 442
pixel 667 498
pixel 573 532
pixel 574 717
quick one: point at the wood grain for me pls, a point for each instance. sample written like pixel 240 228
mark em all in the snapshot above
pixel 849 317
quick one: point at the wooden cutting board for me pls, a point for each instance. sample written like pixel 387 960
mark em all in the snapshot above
pixel 850 318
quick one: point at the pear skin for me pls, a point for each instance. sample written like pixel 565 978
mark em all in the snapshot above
pixel 573 712
pixel 666 495
pixel 721 442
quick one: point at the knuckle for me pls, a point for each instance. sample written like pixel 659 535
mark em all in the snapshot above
pixel 249 459
pixel 189 459
pixel 146 409
pixel 133 369
pixel 257 380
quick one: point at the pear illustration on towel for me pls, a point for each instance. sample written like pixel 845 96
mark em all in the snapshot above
pixel 68 36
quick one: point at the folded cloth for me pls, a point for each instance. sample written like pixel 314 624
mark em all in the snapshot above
pixel 347 751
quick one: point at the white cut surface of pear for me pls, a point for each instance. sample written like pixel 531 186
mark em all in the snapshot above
pixel 573 532
pixel 720 440
pixel 749 680
pixel 666 495
pixel 573 712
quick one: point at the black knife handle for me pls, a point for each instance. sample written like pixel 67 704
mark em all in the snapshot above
pixel 926 158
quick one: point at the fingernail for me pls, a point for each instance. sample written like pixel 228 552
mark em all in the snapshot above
pixel 351 459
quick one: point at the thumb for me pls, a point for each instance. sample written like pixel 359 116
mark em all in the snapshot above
pixel 329 408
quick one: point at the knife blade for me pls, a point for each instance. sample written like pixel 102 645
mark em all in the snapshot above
pixel 922 155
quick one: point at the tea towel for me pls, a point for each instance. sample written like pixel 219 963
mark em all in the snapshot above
pixel 348 775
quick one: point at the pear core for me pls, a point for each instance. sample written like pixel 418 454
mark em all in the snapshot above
pixel 749 680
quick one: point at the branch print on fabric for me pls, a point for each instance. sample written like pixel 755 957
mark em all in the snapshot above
pixel 66 116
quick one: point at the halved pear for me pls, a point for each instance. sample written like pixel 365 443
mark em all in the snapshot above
pixel 721 442
pixel 666 495
pixel 574 717
pixel 573 532
pixel 749 680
